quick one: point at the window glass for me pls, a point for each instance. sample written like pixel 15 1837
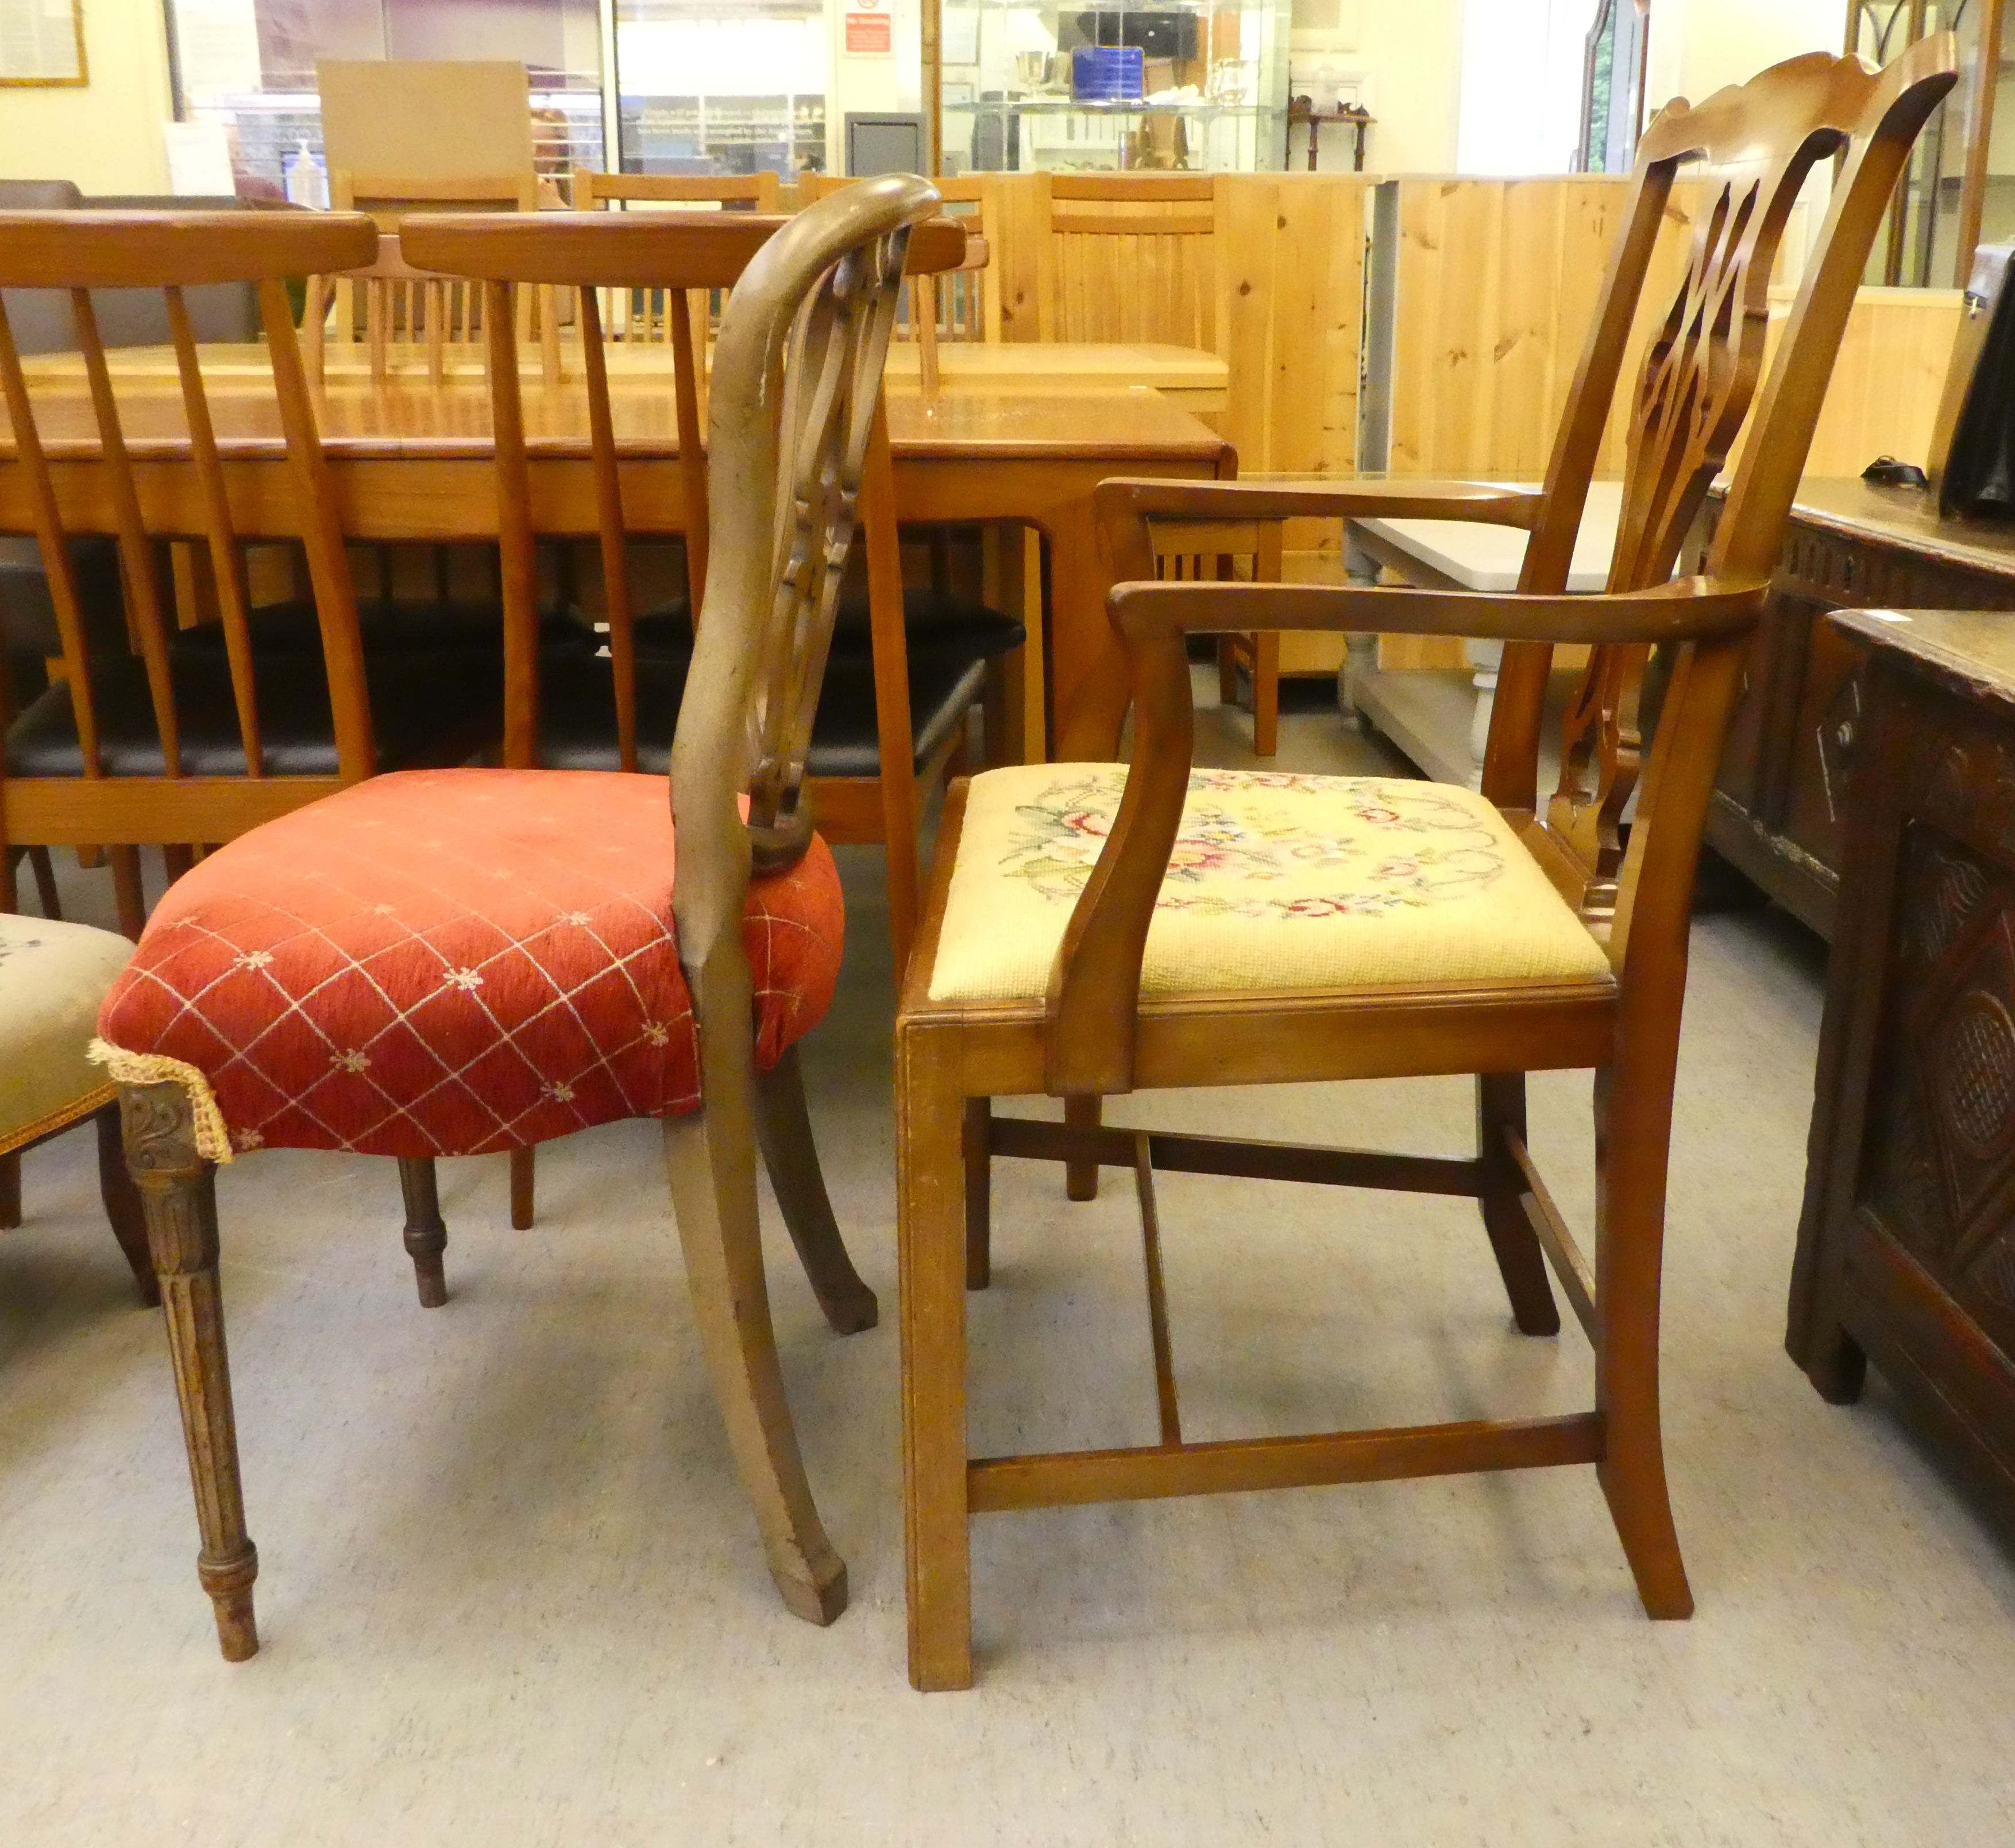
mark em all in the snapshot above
pixel 711 86
pixel 250 65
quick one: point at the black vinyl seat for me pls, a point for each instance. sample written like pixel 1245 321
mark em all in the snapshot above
pixel 934 622
pixel 389 626
pixel 577 711
pixel 425 707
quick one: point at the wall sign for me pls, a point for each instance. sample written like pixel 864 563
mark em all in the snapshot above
pixel 869 33
pixel 42 41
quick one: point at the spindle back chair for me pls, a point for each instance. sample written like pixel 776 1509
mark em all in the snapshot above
pixel 1456 934
pixel 150 744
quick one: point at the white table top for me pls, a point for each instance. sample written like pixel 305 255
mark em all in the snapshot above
pixel 1487 557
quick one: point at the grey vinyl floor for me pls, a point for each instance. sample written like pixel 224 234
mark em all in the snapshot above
pixel 510 1595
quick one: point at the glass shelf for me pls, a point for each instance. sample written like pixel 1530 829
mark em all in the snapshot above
pixel 1007 103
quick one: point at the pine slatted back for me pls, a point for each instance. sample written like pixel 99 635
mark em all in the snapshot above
pixel 1748 150
pixel 170 252
pixel 593 255
pixel 1130 257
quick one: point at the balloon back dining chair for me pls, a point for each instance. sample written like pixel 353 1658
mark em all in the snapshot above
pixel 1317 929
pixel 900 682
pixel 464 961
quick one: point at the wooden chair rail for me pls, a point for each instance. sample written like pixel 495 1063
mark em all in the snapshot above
pixel 1071 1478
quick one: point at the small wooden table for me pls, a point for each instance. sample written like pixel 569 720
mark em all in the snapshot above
pixel 412 461
pixel 1907 1247
pixel 1440 717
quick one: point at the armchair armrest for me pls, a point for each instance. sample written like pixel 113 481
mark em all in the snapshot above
pixel 1127 507
pixel 1678 611
pixel 1094 1000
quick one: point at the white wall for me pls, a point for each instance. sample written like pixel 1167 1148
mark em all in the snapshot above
pixel 1523 65
pixel 1698 46
pixel 106 136
pixel 1412 52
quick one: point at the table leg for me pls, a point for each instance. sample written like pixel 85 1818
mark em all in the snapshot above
pixel 1092 687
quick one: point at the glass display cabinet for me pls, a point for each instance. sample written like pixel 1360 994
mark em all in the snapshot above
pixel 1197 86
pixel 1959 190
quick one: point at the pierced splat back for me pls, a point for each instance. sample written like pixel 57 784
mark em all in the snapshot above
pixel 797 379
pixel 1756 145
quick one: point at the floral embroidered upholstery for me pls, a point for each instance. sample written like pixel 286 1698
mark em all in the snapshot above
pixel 1276 882
pixel 453 962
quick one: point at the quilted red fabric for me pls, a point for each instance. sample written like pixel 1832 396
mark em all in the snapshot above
pixel 454 961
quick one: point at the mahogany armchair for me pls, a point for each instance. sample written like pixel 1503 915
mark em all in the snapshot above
pixel 1094 929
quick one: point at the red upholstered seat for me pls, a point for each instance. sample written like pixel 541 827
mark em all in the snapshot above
pixel 455 961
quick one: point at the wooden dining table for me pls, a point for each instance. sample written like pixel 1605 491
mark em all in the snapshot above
pixel 412 461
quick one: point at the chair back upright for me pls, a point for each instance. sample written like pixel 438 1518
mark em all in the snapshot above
pixel 594 256
pixel 1750 150
pixel 72 448
pixel 1130 257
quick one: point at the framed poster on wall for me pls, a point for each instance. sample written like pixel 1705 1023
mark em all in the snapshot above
pixel 41 42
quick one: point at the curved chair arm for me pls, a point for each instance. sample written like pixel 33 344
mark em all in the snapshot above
pixel 1094 1001
pixel 1127 507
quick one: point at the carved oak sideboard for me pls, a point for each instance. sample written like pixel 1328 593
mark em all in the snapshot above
pixel 1779 812
pixel 1906 1245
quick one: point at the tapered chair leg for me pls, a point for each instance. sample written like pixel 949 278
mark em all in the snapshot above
pixel 976 1143
pixel 524 1188
pixel 426 1234
pixel 178 1193
pixel 1632 1126
pixel 1081 1177
pixel 10 1191
pixel 933 1258
pixel 1500 1106
pixel 710 1159
pixel 783 1129
pixel 123 1206
pixel 45 882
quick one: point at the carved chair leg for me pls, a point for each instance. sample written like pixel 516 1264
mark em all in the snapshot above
pixel 178 1190
pixel 427 1234
pixel 1500 1106
pixel 978 1193
pixel 10 1191
pixel 1632 1126
pixel 123 1206
pixel 933 1258
pixel 524 1188
pixel 783 1129
pixel 710 1159
pixel 1081 1177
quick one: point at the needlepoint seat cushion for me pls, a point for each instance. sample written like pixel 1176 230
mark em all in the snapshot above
pixel 1277 881
pixel 451 962
pixel 52 976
